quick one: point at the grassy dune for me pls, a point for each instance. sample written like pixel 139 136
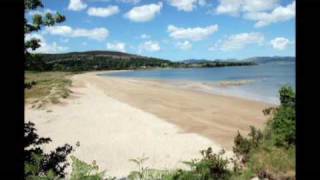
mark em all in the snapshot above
pixel 46 87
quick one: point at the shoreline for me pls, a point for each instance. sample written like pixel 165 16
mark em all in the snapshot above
pixel 119 119
pixel 158 88
pixel 229 88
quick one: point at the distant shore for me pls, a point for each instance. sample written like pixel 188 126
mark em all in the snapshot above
pixel 116 119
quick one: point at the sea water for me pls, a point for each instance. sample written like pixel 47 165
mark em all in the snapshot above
pixel 263 80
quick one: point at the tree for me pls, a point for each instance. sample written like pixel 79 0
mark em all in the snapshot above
pixel 38 163
pixel 38 21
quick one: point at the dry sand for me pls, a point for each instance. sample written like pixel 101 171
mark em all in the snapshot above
pixel 117 119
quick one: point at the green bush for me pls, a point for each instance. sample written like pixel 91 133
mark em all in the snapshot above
pixel 271 154
pixel 284 127
pixel 40 164
pixel 84 171
pixel 287 96
pixel 243 146
pixel 283 123
pixel 210 167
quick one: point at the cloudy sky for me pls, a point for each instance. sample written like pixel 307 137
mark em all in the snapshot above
pixel 172 29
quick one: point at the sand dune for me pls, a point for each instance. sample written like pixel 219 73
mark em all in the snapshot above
pixel 118 119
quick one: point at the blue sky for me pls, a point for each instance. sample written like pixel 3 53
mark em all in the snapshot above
pixel 172 29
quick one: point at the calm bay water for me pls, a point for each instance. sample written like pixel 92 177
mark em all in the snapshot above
pixel 265 79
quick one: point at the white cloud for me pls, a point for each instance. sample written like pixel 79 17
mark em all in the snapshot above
pixel 194 34
pixel 150 46
pixel 259 5
pixel 129 1
pixel 280 43
pixel 279 14
pixel 187 5
pixel 185 45
pixel 77 5
pixel 103 12
pixel 44 46
pixel 231 7
pixel 264 12
pixel 96 33
pixel 184 5
pixel 118 46
pixel 144 36
pixel 59 30
pixel 235 7
pixel 144 13
pixel 238 41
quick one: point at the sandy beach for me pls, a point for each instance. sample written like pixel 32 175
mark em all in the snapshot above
pixel 117 119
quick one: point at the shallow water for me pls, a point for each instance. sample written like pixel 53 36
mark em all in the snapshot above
pixel 260 82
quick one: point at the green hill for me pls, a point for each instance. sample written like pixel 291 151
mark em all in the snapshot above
pixel 112 60
pixel 99 60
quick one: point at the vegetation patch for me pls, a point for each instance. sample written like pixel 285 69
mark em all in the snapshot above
pixel 46 87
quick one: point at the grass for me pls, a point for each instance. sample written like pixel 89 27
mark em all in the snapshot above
pixel 47 87
pixel 275 161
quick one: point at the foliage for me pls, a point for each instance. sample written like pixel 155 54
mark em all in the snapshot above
pixel 34 62
pixel 28 85
pixel 273 162
pixel 243 146
pixel 271 153
pixel 84 171
pixel 287 96
pixel 142 172
pixel 38 21
pixel 281 127
pixel 210 167
pixel 42 166
pixel 38 163
pixel 283 123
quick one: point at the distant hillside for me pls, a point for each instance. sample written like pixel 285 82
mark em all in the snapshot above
pixel 112 60
pixel 214 63
pixel 259 60
pixel 262 60
pixel 91 54
pixel 192 61
pixel 195 61
pixel 99 60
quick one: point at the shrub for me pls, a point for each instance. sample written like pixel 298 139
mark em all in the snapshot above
pixel 28 85
pixel 284 127
pixel 287 96
pixel 243 146
pixel 283 123
pixel 142 172
pixel 210 167
pixel 84 171
pixel 273 163
pixel 271 154
pixel 40 164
